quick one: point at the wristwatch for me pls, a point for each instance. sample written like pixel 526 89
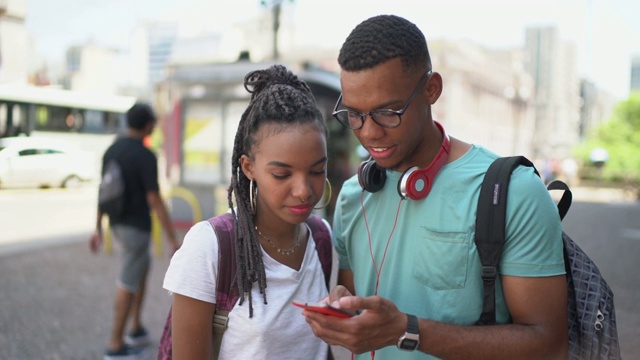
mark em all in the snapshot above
pixel 411 338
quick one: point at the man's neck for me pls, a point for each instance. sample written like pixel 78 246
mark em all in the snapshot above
pixel 136 134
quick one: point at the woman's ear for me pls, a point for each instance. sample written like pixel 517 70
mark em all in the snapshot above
pixel 246 164
pixel 434 87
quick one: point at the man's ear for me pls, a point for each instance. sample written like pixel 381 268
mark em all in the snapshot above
pixel 148 128
pixel 434 87
pixel 246 164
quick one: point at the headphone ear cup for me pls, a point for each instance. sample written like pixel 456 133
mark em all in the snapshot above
pixel 370 176
pixel 414 184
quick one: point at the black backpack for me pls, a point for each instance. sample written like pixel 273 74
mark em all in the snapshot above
pixel 592 320
pixel 112 192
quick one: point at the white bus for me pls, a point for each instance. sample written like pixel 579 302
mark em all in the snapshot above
pixel 90 121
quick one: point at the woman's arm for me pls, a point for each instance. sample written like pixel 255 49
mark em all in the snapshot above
pixel 191 328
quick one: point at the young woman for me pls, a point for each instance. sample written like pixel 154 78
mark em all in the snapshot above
pixel 278 175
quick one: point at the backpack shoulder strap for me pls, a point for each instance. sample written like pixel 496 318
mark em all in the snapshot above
pixel 490 227
pixel 226 293
pixel 565 201
pixel 324 246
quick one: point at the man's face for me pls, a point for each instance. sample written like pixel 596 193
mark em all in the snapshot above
pixel 389 86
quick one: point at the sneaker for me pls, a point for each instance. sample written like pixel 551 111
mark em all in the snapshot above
pixel 126 352
pixel 137 338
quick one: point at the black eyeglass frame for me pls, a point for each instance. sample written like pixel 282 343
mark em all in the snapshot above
pixel 372 113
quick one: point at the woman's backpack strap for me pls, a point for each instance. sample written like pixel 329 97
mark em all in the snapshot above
pixel 324 246
pixel 226 293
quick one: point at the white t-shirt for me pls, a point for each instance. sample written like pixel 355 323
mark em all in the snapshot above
pixel 276 330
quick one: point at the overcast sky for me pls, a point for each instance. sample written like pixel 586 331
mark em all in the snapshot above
pixel 606 32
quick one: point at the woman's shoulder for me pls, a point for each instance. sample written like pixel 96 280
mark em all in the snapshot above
pixel 200 235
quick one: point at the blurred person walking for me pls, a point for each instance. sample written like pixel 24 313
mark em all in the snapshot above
pixel 132 229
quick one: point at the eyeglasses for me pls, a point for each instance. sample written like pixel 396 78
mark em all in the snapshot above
pixel 386 118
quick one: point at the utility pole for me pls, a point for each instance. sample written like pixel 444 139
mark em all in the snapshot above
pixel 276 6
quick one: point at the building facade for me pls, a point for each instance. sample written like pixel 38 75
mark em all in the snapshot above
pixel 634 81
pixel 91 68
pixel 14 44
pixel 552 64
pixel 486 98
pixel 596 108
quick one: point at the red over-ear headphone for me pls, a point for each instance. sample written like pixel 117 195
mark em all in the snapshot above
pixel 415 183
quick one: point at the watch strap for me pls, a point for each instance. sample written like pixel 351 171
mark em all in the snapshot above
pixel 412 324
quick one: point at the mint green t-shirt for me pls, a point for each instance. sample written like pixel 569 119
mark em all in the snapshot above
pixel 431 267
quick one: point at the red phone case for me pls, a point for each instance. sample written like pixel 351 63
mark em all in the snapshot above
pixel 323 309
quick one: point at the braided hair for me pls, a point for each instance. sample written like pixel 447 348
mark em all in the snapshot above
pixel 277 97
pixel 382 38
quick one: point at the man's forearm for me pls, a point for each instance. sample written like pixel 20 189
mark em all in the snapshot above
pixel 99 221
pixel 157 205
pixel 490 342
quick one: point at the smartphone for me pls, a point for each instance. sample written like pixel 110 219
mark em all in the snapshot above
pixel 324 309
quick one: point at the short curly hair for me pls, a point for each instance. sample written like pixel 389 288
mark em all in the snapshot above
pixel 139 115
pixel 382 38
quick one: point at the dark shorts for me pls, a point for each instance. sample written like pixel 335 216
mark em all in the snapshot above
pixel 136 259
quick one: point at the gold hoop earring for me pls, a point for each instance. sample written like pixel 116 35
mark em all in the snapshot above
pixel 328 198
pixel 253 197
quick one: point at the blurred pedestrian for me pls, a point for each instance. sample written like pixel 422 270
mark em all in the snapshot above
pixel 569 170
pixel 132 229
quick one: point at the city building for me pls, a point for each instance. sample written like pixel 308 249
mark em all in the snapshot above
pixel 14 44
pixel 161 38
pixel 150 50
pixel 596 107
pixel 487 96
pixel 91 68
pixel 634 83
pixel 552 63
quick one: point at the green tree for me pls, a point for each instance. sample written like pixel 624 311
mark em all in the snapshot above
pixel 620 136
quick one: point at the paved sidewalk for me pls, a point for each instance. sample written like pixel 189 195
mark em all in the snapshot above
pixel 56 297
pixel 56 302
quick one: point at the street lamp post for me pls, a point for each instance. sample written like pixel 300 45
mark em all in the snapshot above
pixel 276 7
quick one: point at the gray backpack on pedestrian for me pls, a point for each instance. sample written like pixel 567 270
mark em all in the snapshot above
pixel 112 191
pixel 592 329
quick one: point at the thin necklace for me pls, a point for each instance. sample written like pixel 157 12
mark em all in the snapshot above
pixel 285 252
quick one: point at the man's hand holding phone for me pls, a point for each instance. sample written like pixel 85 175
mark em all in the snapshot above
pixel 323 308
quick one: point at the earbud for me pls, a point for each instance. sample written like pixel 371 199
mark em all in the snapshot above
pixel 415 183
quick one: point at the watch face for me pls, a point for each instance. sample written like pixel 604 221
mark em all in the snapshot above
pixel 409 344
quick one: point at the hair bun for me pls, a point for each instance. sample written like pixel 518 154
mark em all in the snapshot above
pixel 257 81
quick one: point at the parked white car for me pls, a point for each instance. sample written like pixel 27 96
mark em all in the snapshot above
pixel 40 162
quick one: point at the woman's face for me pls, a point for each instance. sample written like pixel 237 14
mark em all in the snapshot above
pixel 289 167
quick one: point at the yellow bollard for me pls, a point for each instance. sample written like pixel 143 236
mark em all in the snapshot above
pixel 196 215
pixel 106 235
pixel 156 235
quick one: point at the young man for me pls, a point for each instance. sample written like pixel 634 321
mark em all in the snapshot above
pixel 408 261
pixel 133 230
